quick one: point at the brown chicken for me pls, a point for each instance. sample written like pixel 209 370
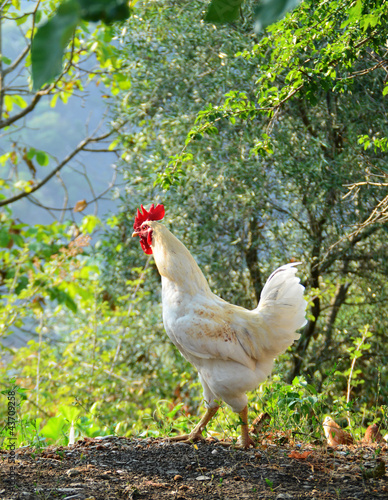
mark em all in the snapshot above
pixel 372 435
pixel 334 434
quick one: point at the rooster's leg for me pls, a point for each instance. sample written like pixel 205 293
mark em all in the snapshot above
pixel 196 433
pixel 246 440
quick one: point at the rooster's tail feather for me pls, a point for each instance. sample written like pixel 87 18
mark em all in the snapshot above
pixel 282 307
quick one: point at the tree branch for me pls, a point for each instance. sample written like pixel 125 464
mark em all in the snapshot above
pixel 37 97
pixel 66 160
pixel 251 255
pixel 21 56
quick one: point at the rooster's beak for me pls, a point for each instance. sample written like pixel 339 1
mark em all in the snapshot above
pixel 135 233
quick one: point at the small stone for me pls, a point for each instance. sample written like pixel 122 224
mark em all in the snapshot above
pixel 376 472
pixel 65 490
pixel 284 496
pixel 172 471
pixel 202 478
pixel 72 472
pixel 214 452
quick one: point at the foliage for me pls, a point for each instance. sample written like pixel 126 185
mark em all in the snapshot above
pixel 313 70
pixel 25 113
pixel 266 12
pixel 53 37
pixel 84 350
pixel 262 178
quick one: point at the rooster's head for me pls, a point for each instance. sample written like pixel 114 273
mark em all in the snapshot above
pixel 142 229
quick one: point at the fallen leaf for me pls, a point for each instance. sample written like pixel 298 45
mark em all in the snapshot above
pixel 299 456
pixel 156 485
pixel 30 165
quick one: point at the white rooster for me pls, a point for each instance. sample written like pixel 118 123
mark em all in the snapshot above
pixel 232 348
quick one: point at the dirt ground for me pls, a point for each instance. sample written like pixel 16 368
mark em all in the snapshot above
pixel 114 467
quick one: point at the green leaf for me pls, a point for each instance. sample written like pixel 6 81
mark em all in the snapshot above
pixel 69 412
pixel 50 42
pixel 53 428
pixel 42 158
pixel 62 298
pixel 270 11
pixel 4 237
pixel 355 11
pixel 311 389
pixel 5 60
pixel 10 100
pixel 19 101
pixel 223 11
pixel 89 223
pixel 104 10
pixel 22 284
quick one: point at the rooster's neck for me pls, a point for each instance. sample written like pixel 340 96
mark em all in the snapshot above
pixel 175 263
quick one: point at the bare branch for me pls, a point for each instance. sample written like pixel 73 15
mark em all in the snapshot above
pixel 66 198
pixel 63 163
pixel 352 240
pixel 21 56
pixel 290 215
pixel 70 209
pixel 85 175
pixel 37 97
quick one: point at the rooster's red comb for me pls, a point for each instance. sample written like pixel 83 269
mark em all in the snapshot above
pixel 154 213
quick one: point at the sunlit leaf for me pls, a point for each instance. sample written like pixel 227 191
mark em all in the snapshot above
pixel 42 158
pixel 53 428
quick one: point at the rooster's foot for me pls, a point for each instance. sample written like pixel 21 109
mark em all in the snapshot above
pixel 196 433
pixel 186 438
pixel 239 445
pixel 246 443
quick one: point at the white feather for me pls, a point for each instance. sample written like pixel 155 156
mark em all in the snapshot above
pixel 232 348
